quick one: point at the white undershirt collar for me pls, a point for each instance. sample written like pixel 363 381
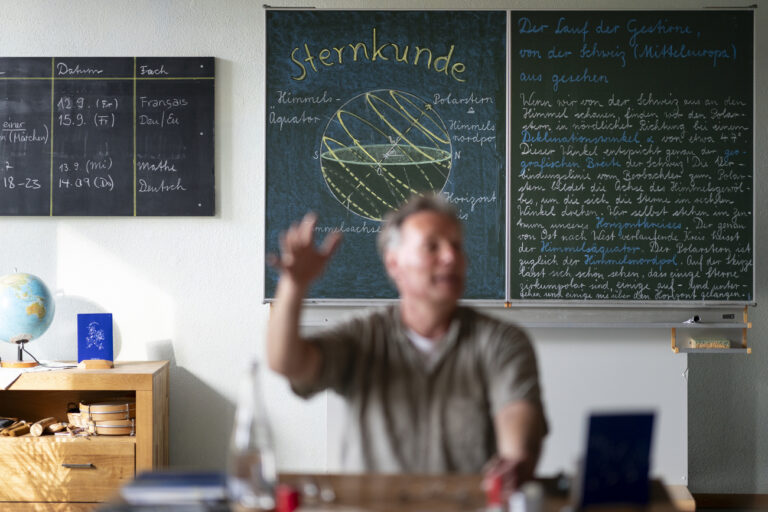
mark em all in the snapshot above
pixel 426 346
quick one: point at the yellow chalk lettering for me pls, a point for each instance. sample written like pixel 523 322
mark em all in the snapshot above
pixel 310 58
pixel 419 51
pixel 446 59
pixel 458 69
pixel 377 51
pixel 358 46
pixel 303 74
pixel 398 58
pixel 323 55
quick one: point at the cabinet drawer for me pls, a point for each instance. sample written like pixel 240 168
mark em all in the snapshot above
pixel 52 469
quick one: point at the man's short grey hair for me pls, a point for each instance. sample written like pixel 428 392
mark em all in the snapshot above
pixel 389 237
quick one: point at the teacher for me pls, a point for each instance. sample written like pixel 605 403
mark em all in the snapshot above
pixel 430 386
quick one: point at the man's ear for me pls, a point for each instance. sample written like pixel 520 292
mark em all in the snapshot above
pixel 390 264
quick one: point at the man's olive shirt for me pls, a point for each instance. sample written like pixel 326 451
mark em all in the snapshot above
pixel 406 413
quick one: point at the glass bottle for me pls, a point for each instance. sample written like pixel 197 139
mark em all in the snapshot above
pixel 251 470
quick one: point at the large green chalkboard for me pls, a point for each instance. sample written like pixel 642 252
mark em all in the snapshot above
pixel 632 156
pixel 630 171
pixel 366 108
pixel 106 136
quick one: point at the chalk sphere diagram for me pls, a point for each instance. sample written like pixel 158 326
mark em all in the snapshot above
pixel 380 148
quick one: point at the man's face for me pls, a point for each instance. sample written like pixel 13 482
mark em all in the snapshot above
pixel 429 263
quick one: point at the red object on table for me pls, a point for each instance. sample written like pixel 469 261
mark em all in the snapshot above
pixel 286 498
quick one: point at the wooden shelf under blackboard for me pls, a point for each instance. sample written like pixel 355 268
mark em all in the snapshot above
pixel 673 326
pixel 743 349
pixel 689 350
pixel 324 317
pixel 633 325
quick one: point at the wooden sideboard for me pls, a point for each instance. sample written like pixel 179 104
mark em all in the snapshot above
pixel 63 473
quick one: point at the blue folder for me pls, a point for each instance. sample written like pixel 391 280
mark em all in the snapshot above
pixel 617 460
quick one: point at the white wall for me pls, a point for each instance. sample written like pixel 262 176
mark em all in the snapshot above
pixel 190 289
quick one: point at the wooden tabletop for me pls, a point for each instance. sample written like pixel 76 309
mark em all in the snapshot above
pixel 444 493
pixel 126 375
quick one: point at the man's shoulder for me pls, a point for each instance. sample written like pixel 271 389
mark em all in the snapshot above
pixel 471 314
pixel 489 327
pixel 385 313
pixel 368 316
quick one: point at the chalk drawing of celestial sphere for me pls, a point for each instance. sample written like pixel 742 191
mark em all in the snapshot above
pixel 382 147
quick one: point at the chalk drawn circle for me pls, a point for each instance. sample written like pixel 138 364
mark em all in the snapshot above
pixel 382 147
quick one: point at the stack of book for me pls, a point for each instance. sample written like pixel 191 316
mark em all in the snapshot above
pixel 113 418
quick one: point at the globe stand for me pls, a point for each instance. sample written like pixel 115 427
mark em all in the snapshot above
pixel 20 363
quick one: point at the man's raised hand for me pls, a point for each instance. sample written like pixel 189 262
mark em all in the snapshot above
pixel 299 260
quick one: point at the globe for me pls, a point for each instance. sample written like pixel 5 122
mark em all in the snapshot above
pixel 26 308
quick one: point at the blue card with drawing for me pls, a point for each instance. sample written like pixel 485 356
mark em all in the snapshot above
pixel 94 336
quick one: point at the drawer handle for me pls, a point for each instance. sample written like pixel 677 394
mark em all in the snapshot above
pixel 79 466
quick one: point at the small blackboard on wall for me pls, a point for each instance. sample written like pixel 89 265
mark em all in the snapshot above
pixel 128 136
